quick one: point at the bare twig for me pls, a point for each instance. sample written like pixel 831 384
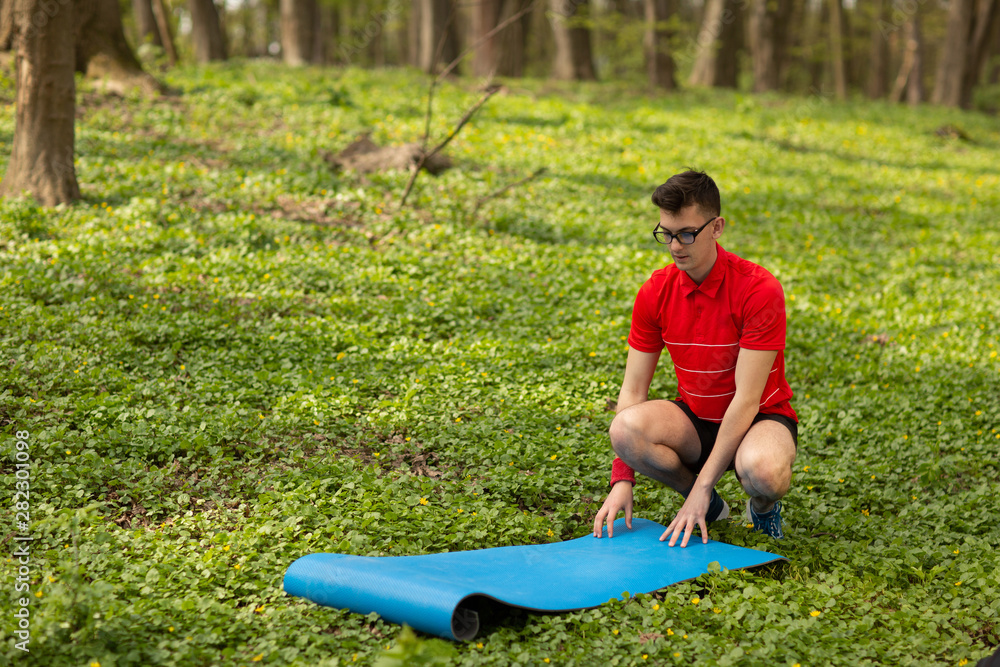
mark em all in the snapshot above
pixel 493 195
pixel 490 92
pixel 430 92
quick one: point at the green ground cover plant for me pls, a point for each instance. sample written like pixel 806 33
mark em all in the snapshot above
pixel 227 356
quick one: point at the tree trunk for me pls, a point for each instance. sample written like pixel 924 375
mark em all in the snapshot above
pixel 656 43
pixel 853 60
pixel 783 13
pixel 762 52
pixel 837 49
pixel 145 22
pixel 878 73
pixel 733 41
pixel 951 67
pixel 993 77
pixel 818 18
pixel 322 29
pixel 794 44
pixel 986 25
pixel 206 31
pixel 437 36
pixel 574 58
pixel 513 40
pixel 485 17
pixel 708 43
pixel 915 93
pixel 102 52
pixel 6 24
pixel 413 31
pixel 583 52
pixel 41 161
pixel 298 31
pixel 163 25
pixel 374 21
pixel 911 72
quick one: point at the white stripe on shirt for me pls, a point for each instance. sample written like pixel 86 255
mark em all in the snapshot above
pixel 690 393
pixel 703 344
pixel 769 397
pixel 688 370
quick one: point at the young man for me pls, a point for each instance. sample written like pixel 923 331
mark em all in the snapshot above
pixel 722 319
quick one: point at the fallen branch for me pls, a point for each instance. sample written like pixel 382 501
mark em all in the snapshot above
pixel 490 92
pixel 507 188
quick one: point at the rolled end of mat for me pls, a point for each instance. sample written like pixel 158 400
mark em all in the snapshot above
pixel 464 623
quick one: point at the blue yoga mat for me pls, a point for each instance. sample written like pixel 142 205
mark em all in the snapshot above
pixel 436 593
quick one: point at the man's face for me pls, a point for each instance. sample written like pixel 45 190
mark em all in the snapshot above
pixel 696 258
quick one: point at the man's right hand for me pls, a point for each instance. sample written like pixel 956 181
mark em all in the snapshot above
pixel 620 499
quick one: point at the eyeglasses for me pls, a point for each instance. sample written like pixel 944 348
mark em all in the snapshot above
pixel 686 238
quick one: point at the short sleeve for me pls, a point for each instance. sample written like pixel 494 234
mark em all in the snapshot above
pixel 764 317
pixel 646 335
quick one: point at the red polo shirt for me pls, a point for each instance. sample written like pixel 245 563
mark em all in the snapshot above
pixel 703 327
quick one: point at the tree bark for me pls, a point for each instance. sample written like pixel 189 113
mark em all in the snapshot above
pixel 910 79
pixel 660 67
pixel 102 51
pixel 951 67
pixel 708 43
pixel 878 73
pixel 206 31
pixel 513 40
pixel 163 25
pixel 435 22
pixel 915 93
pixel 783 15
pixel 413 32
pixel 993 77
pixel 574 59
pixel 6 24
pixel 764 54
pixel 817 19
pixel 298 31
pixel 145 22
pixel 732 43
pixel 41 161
pixel 485 17
pixel 837 49
pixel 986 24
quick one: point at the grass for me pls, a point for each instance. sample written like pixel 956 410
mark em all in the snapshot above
pixel 226 357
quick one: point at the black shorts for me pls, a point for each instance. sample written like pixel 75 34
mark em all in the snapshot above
pixel 709 431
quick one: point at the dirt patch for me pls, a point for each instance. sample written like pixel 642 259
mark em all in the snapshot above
pixel 365 156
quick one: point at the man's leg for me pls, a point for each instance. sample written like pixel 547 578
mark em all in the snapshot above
pixel 657 439
pixel 764 463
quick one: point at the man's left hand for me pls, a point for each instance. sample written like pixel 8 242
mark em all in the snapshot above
pixel 691 514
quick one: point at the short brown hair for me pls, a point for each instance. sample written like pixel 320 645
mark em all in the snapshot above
pixel 689 188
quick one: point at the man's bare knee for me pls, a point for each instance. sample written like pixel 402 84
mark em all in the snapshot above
pixel 766 476
pixel 625 434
